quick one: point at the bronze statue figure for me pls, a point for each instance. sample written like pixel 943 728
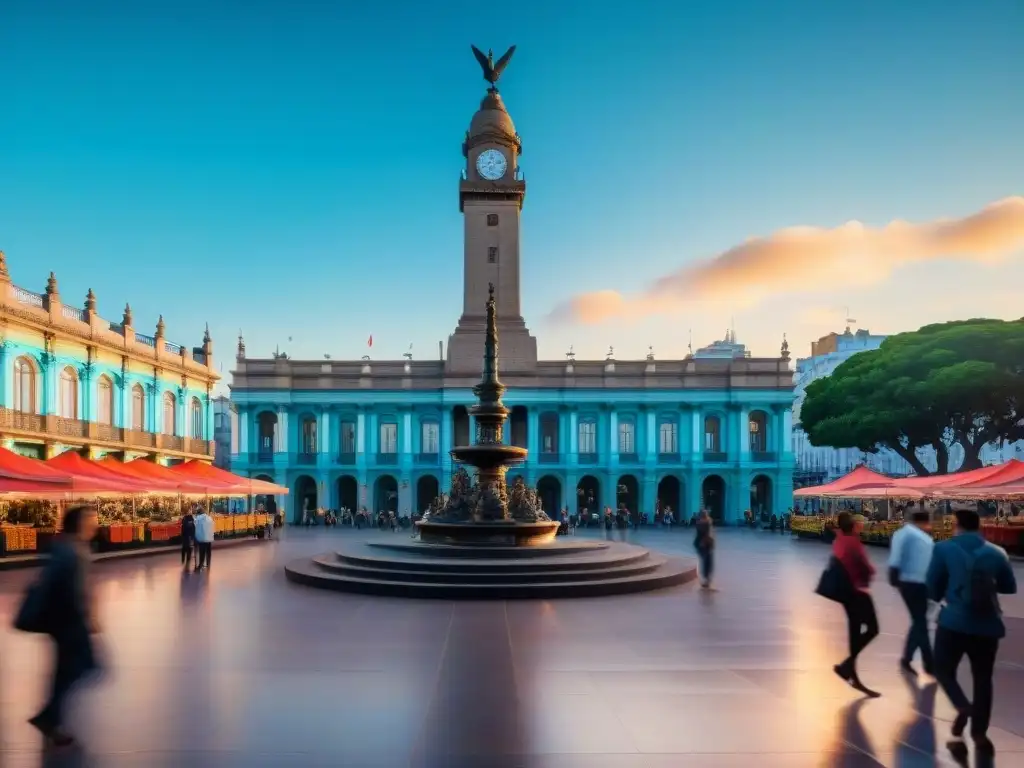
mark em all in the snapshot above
pixel 492 70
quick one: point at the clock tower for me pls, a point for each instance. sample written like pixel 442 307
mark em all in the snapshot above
pixel 491 197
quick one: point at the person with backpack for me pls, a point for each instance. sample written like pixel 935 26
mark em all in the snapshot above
pixel 967 574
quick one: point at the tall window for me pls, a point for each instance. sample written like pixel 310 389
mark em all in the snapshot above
pixel 104 401
pixel 627 437
pixel 549 433
pixel 170 408
pixel 587 437
pixel 388 438
pixel 712 435
pixel 348 437
pixel 68 393
pixel 25 386
pixel 308 436
pixel 429 437
pixel 196 408
pixel 758 432
pixel 668 437
pixel 138 408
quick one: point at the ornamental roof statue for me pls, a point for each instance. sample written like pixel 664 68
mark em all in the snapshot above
pixel 491 70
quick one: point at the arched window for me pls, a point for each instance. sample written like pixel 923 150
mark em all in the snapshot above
pixel 138 408
pixel 68 393
pixel 25 386
pixel 197 419
pixel 104 401
pixel 170 408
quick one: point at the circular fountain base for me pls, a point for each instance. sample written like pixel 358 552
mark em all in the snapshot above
pixel 573 568
pixel 494 534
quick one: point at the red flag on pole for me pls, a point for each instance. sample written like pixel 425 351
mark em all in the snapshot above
pixel 369 342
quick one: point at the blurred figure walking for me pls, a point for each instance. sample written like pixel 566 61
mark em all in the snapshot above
pixel 862 621
pixel 704 543
pixel 909 556
pixel 61 605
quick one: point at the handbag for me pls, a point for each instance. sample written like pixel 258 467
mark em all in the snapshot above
pixel 835 584
pixel 34 614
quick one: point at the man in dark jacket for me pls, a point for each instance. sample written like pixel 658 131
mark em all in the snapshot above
pixel 966 574
pixel 188 537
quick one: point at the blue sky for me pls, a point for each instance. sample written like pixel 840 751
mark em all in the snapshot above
pixel 291 168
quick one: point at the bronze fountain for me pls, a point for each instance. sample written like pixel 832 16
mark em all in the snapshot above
pixel 487 513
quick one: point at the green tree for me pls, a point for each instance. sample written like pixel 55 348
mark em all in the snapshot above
pixel 959 382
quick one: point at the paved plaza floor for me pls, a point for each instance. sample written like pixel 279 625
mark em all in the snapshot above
pixel 238 667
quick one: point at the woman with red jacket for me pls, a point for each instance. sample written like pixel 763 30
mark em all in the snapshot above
pixel 860 608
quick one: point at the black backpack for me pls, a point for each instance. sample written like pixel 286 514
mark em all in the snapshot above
pixel 982 598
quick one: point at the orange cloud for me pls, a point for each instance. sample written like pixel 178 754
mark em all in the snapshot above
pixel 810 258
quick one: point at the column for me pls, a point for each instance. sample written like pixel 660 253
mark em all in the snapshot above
pixel 181 420
pixel 786 434
pixel 125 420
pixel 613 436
pixel 574 436
pixel 697 432
pixel 240 437
pixel 569 500
pixel 374 436
pixel 652 436
pixel 405 491
pixel 6 377
pixel 446 447
pixel 533 432
pixel 324 432
pixel 472 429
pixel 743 432
pixel 283 427
pixel 360 437
pixel 235 427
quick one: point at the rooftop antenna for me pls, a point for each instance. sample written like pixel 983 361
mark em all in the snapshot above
pixel 689 344
pixel 570 355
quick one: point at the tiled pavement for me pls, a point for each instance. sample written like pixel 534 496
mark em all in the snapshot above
pixel 240 668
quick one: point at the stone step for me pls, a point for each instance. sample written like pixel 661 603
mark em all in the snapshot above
pixel 425 561
pixel 560 548
pixel 668 573
pixel 507 576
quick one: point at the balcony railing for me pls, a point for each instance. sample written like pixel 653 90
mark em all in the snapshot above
pixel 588 458
pixel 427 458
pixel 387 458
pixel 715 457
pixel 26 422
pixel 171 442
pixel 629 458
pixel 141 439
pixel 668 457
pixel 347 458
pixel 306 459
pixel 262 457
pixel 762 456
pixel 108 432
pixel 548 457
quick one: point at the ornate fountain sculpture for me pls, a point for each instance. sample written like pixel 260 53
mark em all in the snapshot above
pixel 486 513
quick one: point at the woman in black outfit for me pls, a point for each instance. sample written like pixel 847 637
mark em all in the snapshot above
pixel 65 599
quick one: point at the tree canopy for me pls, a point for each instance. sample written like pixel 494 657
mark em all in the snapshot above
pixel 959 382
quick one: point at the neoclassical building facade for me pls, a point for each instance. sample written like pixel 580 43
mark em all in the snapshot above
pixel 708 431
pixel 71 380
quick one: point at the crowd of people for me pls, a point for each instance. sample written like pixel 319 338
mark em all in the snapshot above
pixel 965 574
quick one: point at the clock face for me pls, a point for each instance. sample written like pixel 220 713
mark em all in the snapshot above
pixel 491 164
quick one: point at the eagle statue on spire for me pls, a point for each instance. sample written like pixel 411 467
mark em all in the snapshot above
pixel 492 70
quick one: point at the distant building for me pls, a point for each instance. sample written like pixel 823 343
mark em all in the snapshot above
pixel 222 432
pixel 72 380
pixel 819 464
pixel 726 349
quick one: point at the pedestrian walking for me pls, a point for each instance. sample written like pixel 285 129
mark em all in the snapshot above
pixel 204 539
pixel 704 543
pixel 967 574
pixel 188 537
pixel 60 604
pixel 909 557
pixel 862 621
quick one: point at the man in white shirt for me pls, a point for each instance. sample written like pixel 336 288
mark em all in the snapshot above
pixel 909 558
pixel 204 539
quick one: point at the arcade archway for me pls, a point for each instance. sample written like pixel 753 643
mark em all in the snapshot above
pixel 713 497
pixel 385 494
pixel 761 496
pixel 588 494
pixel 427 489
pixel 670 496
pixel 305 497
pixel 267 501
pixel 627 493
pixel 549 489
pixel 348 493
